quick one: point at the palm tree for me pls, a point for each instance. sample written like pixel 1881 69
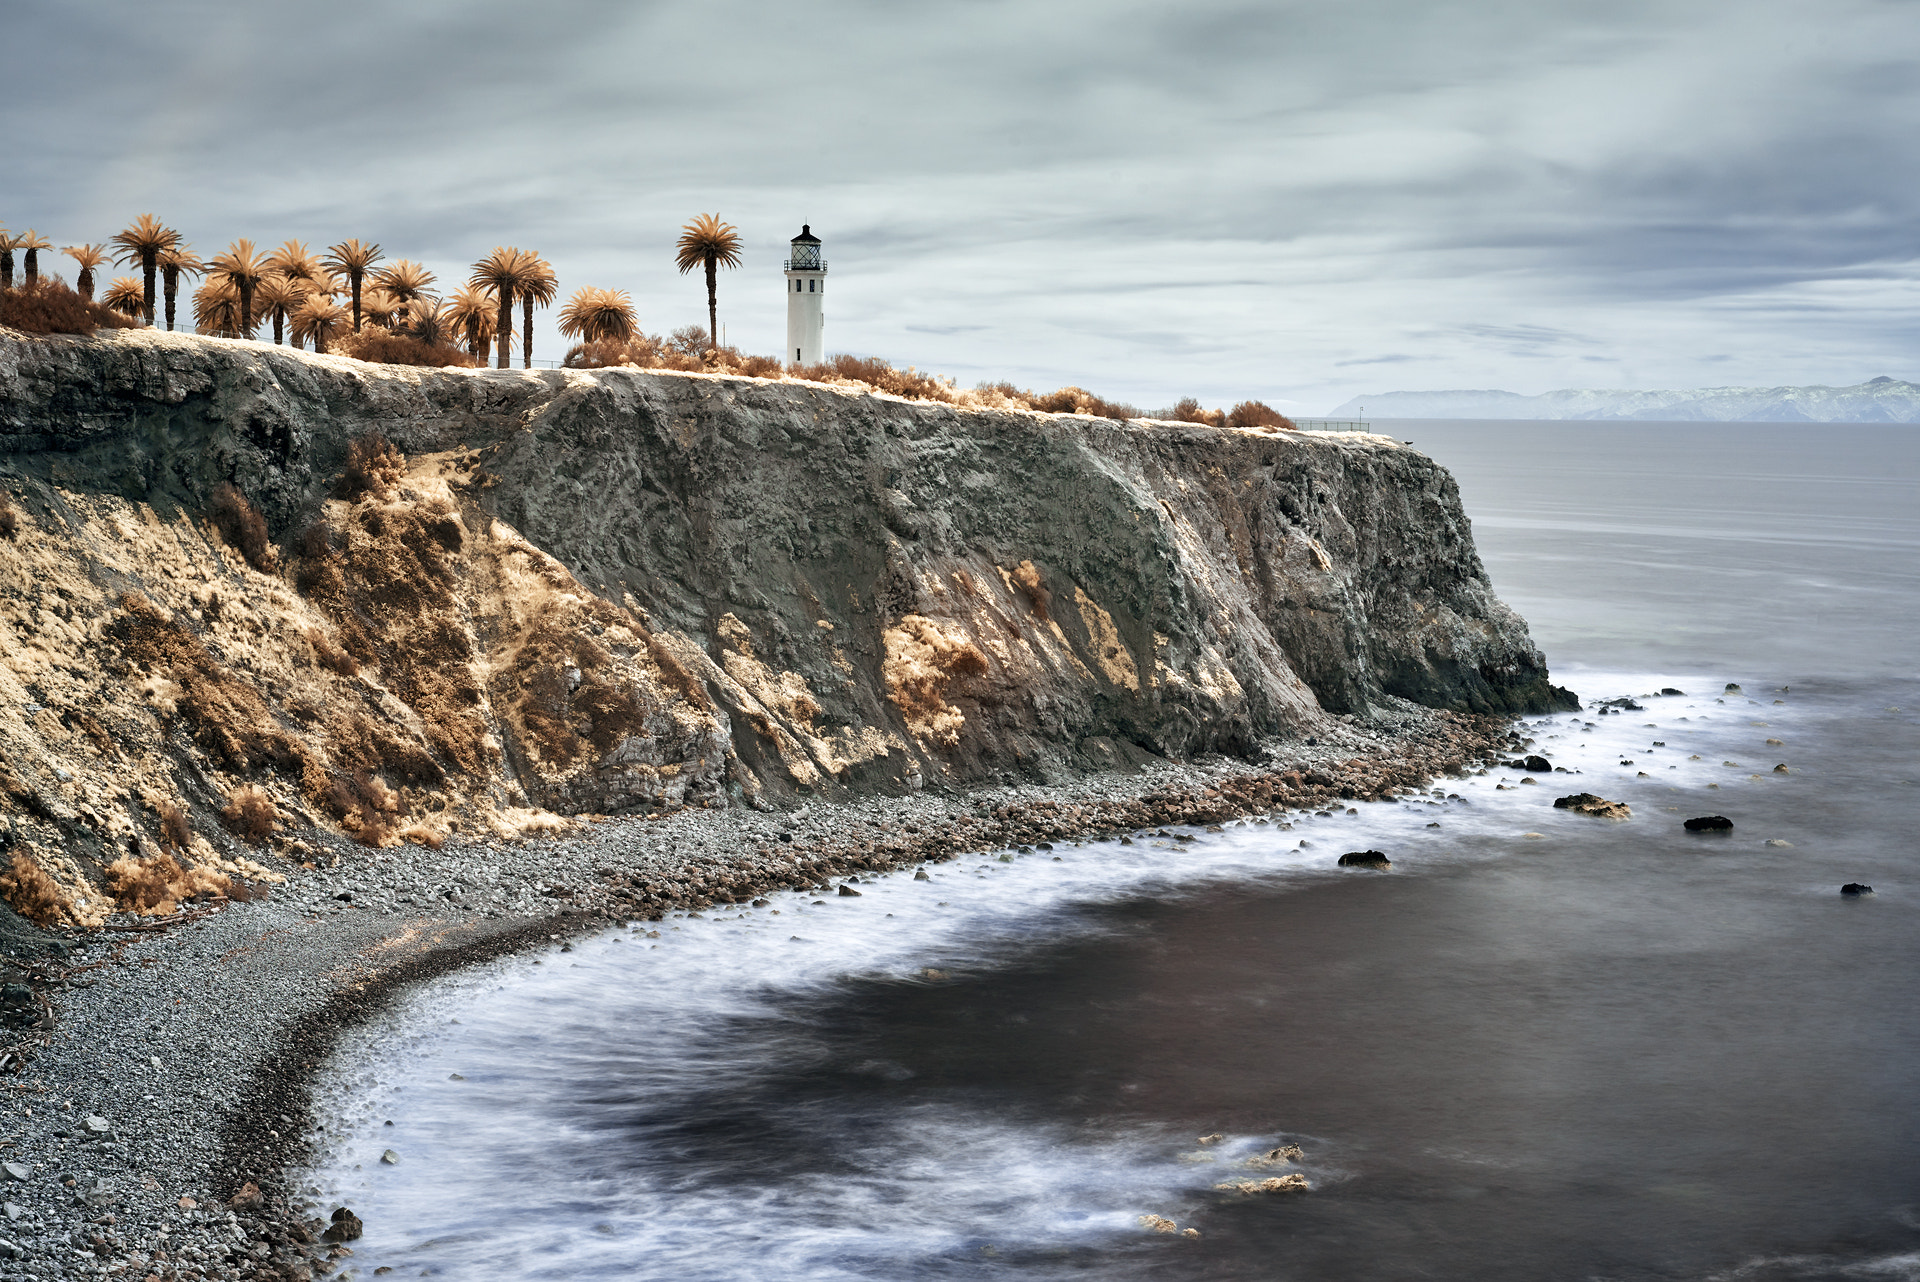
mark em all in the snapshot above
pixel 242 267
pixel 406 280
pixel 429 320
pixel 296 262
pixel 175 263
pixel 8 243
pixel 351 259
pixel 500 271
pixel 89 257
pixel 124 296
pixel 537 285
pixel 143 242
pixel 706 240
pixel 280 297
pixel 595 314
pixel 320 319
pixel 473 312
pixel 216 309
pixel 33 242
pixel 382 308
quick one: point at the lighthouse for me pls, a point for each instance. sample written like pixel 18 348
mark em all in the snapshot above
pixel 806 296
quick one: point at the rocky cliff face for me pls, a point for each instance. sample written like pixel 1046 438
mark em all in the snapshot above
pixel 594 591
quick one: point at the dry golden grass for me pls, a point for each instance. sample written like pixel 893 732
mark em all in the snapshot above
pixel 921 662
pixel 373 465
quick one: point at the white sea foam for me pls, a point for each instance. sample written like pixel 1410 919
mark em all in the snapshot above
pixel 573 1114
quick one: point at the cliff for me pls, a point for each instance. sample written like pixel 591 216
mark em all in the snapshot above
pixel 574 592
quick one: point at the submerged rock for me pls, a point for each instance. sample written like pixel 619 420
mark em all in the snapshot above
pixel 1856 888
pixel 1365 859
pixel 1587 803
pixel 1709 823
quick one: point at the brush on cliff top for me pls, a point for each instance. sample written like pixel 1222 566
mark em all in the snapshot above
pixel 49 307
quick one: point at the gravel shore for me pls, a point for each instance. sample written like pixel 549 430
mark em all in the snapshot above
pixel 155 1079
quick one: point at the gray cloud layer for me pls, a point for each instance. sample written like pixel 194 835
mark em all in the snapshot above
pixel 1287 200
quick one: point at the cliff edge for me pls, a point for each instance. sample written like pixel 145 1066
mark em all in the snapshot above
pixel 607 591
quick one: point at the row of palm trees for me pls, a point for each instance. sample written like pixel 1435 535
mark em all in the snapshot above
pixel 297 289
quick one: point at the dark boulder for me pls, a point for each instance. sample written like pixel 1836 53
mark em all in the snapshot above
pixel 1622 704
pixel 1587 803
pixel 1365 859
pixel 849 891
pixel 1856 888
pixel 346 1227
pixel 1536 765
pixel 1669 690
pixel 1710 823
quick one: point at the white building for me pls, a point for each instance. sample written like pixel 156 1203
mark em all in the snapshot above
pixel 806 296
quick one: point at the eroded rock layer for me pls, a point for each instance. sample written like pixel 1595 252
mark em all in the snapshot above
pixel 571 591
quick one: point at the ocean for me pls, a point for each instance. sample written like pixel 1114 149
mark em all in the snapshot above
pixel 1541 1045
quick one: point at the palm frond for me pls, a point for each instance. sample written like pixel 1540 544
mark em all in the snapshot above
pixel 707 240
pixel 406 280
pixel 125 295
pixel 594 314
pixel 145 236
pixel 350 257
pixel 87 256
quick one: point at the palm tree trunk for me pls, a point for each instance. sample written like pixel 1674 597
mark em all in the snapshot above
pixel 33 268
pixel 505 323
pixel 6 269
pixel 173 292
pixel 86 283
pixel 713 306
pixel 526 331
pixel 279 319
pixel 246 309
pixel 354 277
pixel 149 263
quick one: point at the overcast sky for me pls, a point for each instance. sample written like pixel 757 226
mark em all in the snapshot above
pixel 1294 201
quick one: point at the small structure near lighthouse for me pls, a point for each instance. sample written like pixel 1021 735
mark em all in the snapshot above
pixel 806 298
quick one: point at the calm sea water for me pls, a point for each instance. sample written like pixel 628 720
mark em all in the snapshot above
pixel 1542 1046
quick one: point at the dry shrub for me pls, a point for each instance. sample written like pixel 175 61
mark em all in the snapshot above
pixel 49 307
pixel 384 348
pixel 154 886
pixel 1029 580
pixel 1257 414
pixel 9 519
pixel 33 894
pixel 175 831
pixel 1078 400
pixel 242 526
pixel 1188 410
pixel 921 661
pixel 374 466
pixel 423 835
pixel 331 656
pixel 250 813
pixel 363 802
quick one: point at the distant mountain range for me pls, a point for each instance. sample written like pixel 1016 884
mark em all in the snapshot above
pixel 1883 400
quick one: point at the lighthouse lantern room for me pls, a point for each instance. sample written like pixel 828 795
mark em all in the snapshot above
pixel 806 297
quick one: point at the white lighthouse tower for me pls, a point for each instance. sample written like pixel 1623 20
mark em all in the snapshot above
pixel 806 296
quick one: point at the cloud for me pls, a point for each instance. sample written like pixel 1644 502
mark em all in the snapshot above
pixel 1213 198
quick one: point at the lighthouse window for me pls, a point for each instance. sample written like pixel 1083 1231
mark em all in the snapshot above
pixel 809 287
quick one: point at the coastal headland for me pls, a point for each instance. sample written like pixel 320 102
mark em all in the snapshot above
pixel 322 677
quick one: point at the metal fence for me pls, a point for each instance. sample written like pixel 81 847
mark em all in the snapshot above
pixel 1332 425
